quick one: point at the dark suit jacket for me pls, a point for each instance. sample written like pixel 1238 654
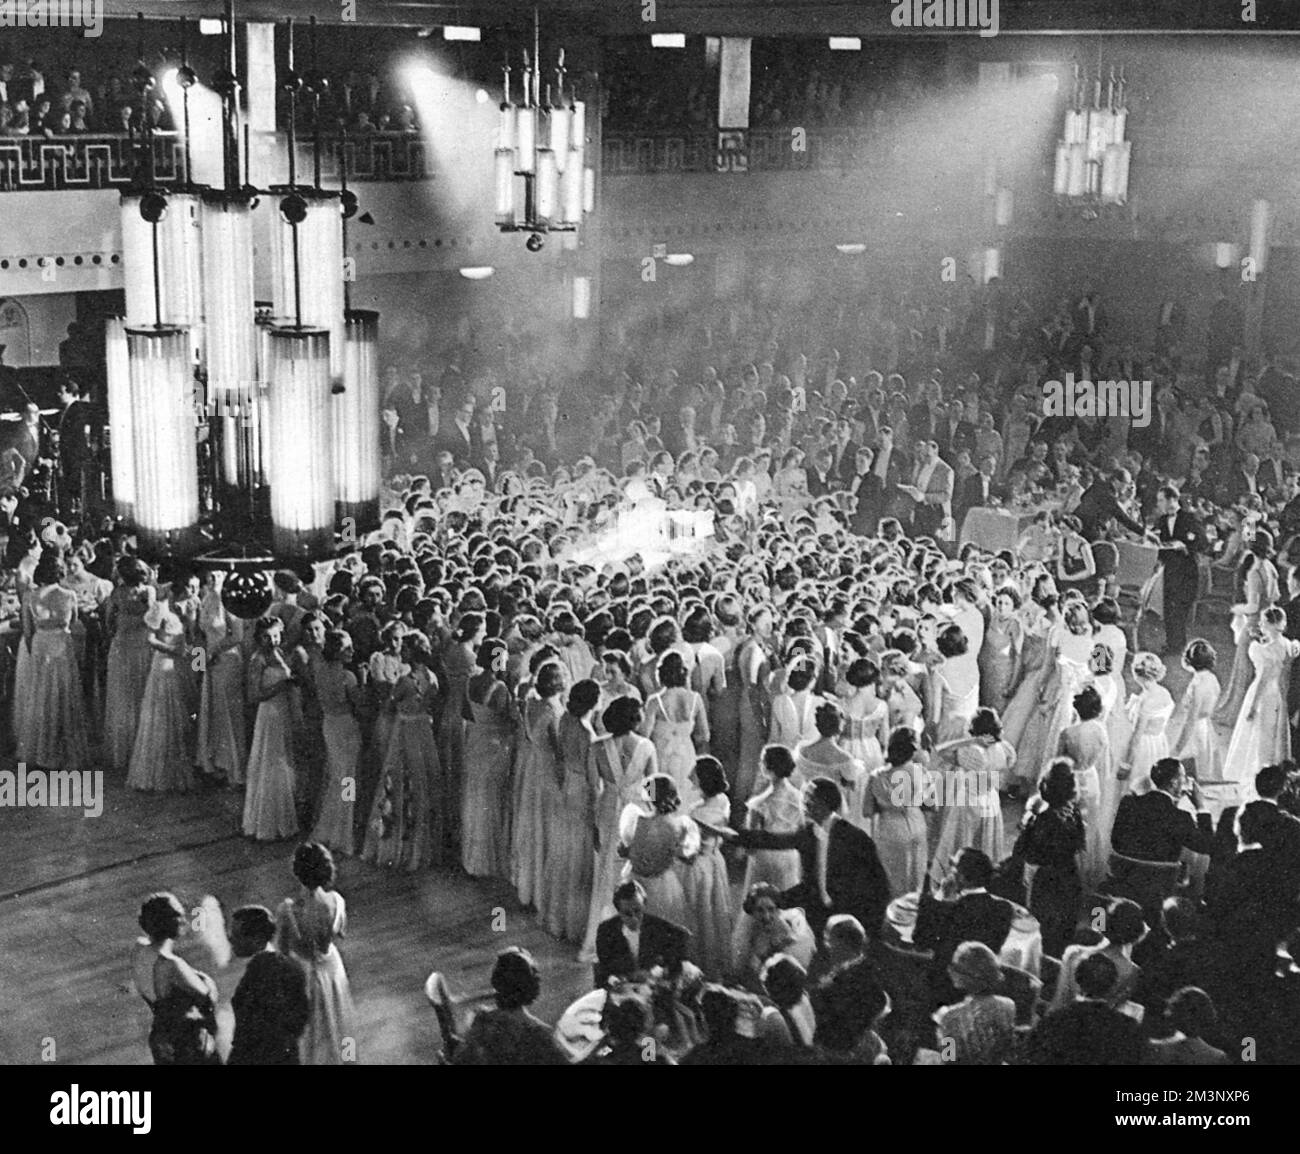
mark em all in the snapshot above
pixel 819 486
pixel 855 879
pixel 1097 507
pixel 1151 827
pixel 1086 1033
pixel 971 494
pixel 943 926
pixel 662 944
pixel 845 1003
pixel 1180 566
pixel 865 519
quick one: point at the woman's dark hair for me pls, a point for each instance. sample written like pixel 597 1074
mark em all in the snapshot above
pixel 313 865
pixel 1057 785
pixel 492 657
pixel 784 979
pixel 336 641
pixel 1087 703
pixel 618 658
pixel 757 892
pixel 469 627
pixel 863 672
pixel 543 654
pixel 416 649
pixel 663 795
pixel 901 747
pixel 1008 591
pixel 829 719
pixel 777 760
pixel 802 672
pixel 1199 655
pixel 516 979
pixel 550 679
pixel 671 670
pixel 1261 544
pixel 711 776
pixel 663 635
pixel 1106 611
pixel 986 723
pixel 1191 1012
pixel 583 697
pixel 1125 923
pixel 264 626
pixel 622 715
pixel 698 627
pixel 952 642
pixel 50 569
pixel 161 916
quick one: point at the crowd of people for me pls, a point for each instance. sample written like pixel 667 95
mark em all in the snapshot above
pixel 730 777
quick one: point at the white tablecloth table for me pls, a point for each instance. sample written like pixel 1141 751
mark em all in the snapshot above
pixel 994 529
pixel 1022 949
pixel 1137 561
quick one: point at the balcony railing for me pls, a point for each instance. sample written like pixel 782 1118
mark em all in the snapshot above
pixel 793 149
pixel 44 164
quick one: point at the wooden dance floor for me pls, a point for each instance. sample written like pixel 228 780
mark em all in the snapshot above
pixel 71 888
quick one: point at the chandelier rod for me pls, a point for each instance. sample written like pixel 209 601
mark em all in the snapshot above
pixel 293 175
pixel 183 78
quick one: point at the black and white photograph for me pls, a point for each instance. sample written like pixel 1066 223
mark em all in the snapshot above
pixel 651 532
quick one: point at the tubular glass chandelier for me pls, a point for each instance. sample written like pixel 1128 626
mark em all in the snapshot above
pixel 1092 156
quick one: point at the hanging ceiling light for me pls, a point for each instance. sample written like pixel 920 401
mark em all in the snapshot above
pixel 542 180
pixel 121 437
pixel 165 448
pixel 302 449
pixel 1092 156
pixel 357 466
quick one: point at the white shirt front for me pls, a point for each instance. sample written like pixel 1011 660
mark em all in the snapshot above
pixel 633 939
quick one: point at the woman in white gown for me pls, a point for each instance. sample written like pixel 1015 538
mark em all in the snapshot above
pixel 130 659
pixel 827 757
pixel 777 808
pixel 163 757
pixel 894 796
pixel 1106 616
pixel 657 841
pixel 794 704
pixel 1087 744
pixel 972 806
pixel 1262 735
pixel 223 738
pixel 866 729
pixel 1259 591
pixel 623 760
pixel 678 724
pixel 704 880
pixel 340 698
pixel 307 928
pixel 1192 736
pixel 1072 643
pixel 269 811
pixel 1149 711
pixel 52 730
pixel 953 688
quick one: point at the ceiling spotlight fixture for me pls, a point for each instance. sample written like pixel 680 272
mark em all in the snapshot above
pixel 211 27
pixel 534 242
pixel 542 181
pixel 668 40
pixel 462 32
pixel 679 259
pixel 851 249
pixel 846 43
pixel 477 272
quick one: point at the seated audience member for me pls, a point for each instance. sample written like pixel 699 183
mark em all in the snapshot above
pixel 722 1011
pixel 789 1025
pixel 1191 1016
pixel 633 942
pixel 843 999
pixel 510 1035
pixel 1151 827
pixel 1088 1032
pixel 1123 927
pixel 630 1039
pixel 980 1029
pixel 1175 956
pixel 968 913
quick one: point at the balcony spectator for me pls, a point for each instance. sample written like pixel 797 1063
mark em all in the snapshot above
pixel 21 122
pixel 6 79
pixel 75 92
